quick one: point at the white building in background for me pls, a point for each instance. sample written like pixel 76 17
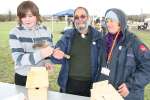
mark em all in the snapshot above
pixel 147 20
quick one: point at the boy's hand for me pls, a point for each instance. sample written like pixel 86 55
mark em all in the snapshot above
pixel 49 67
pixel 46 52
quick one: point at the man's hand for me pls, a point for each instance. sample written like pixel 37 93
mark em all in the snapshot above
pixel 123 90
pixel 58 54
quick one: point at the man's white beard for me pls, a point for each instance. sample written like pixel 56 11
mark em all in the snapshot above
pixel 84 29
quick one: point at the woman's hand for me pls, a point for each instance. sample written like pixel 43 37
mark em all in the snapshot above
pixel 123 90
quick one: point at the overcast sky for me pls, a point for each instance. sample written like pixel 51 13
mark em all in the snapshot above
pixel 95 7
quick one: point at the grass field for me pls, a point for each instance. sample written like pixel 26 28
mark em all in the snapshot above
pixel 6 63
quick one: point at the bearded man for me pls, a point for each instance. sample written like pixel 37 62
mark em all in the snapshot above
pixel 82 43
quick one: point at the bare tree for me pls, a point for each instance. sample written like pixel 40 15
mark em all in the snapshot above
pixel 9 15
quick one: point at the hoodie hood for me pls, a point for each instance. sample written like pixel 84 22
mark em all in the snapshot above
pixel 121 17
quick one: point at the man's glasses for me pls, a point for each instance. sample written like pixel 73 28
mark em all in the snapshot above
pixel 78 17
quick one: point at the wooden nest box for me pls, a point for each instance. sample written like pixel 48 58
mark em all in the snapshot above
pixel 104 91
pixel 37 83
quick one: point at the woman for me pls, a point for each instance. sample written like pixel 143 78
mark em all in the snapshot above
pixel 125 59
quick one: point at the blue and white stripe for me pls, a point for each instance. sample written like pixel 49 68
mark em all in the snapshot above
pixel 21 41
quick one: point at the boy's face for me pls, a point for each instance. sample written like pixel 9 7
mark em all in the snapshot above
pixel 29 20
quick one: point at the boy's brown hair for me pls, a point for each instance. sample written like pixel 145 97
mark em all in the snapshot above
pixel 26 6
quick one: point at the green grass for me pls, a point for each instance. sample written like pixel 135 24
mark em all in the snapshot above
pixel 7 66
pixel 144 36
